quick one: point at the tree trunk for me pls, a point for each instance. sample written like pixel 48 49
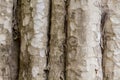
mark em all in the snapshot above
pixel 33 39
pixel 84 51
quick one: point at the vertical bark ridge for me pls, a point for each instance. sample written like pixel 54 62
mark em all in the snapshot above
pixel 84 56
pixel 112 39
pixel 6 60
pixel 34 39
pixel 25 68
pixel 57 41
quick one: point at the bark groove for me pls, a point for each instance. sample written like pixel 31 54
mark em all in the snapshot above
pixel 16 23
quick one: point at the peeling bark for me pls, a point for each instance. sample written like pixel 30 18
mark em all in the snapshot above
pixel 112 40
pixel 57 41
pixel 84 53
pixel 33 39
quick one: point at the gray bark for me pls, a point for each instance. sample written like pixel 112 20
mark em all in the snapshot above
pixel 33 39
pixel 84 52
pixel 112 41
pixel 57 41
pixel 7 61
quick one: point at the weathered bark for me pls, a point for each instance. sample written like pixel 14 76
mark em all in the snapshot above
pixel 57 41
pixel 83 33
pixel 112 41
pixel 6 60
pixel 33 39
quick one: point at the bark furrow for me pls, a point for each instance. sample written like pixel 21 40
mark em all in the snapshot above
pixel 16 23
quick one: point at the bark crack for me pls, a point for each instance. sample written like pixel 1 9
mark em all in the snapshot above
pixel 103 40
pixel 66 36
pixel 49 37
pixel 16 22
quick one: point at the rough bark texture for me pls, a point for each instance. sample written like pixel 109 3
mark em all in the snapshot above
pixel 84 52
pixel 7 63
pixel 57 41
pixel 112 41
pixel 33 39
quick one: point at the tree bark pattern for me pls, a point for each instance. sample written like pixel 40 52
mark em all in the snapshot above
pixel 84 53
pixel 33 39
pixel 59 39
pixel 112 41
pixel 7 63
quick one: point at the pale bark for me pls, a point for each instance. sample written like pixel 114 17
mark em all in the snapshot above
pixel 6 60
pixel 33 39
pixel 60 39
pixel 57 41
pixel 112 41
pixel 84 52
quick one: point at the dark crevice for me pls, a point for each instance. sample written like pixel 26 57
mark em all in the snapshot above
pixel 49 37
pixel 103 41
pixel 16 21
pixel 66 37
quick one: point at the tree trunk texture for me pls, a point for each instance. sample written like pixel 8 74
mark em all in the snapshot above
pixel 8 56
pixel 59 40
pixel 112 41
pixel 84 52
pixel 34 40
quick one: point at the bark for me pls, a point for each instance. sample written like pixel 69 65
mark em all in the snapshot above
pixel 112 41
pixel 7 63
pixel 57 41
pixel 83 40
pixel 33 39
